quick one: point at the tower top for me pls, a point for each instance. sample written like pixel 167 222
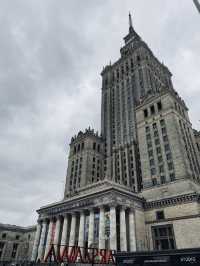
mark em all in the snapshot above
pixel 130 21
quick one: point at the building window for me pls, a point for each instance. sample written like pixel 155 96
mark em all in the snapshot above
pixel 94 146
pixel 160 215
pixel 162 122
pixel 158 150
pixel 163 237
pixel 161 168
pixel 154 126
pixel 152 162
pixel 160 159
pixel 1 248
pixel 14 250
pixel 156 133
pixel 164 131
pixel 4 236
pixel 169 156
pixel 172 176
pixel 153 171
pixel 170 166
pixel 162 179
pixel 145 113
pixel 147 129
pixel 149 145
pixel 154 181
pixel 152 108
pixel 151 153
pixel 148 137
pixel 159 105
pixel 98 147
pixel 17 237
pixel 157 142
pixel 165 138
pixel 167 147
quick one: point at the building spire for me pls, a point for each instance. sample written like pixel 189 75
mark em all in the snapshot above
pixel 130 21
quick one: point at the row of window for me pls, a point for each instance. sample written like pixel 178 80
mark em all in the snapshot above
pixel 179 109
pixel 153 109
pixel 125 168
pixel 158 152
pixel 80 147
pixel 95 170
pixel 14 250
pixel 190 149
pixel 4 236
pixel 76 171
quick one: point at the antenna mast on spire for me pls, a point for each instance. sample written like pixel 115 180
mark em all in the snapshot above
pixel 197 4
pixel 130 21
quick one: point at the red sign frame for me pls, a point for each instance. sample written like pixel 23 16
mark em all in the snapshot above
pixel 72 254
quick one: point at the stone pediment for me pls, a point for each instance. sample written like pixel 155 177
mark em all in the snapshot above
pixel 107 197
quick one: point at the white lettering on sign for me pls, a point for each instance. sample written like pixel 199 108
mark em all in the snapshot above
pixel 188 259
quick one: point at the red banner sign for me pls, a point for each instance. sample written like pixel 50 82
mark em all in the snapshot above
pixel 82 255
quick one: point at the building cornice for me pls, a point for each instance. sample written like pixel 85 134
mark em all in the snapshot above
pixel 185 217
pixel 171 201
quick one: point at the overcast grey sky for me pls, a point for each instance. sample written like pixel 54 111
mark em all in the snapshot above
pixel 51 56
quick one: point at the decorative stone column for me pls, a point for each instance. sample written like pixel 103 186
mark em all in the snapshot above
pixel 57 234
pixel 42 240
pixel 123 240
pixel 49 235
pixel 102 228
pixel 36 242
pixel 81 230
pixel 64 233
pixel 127 164
pixel 120 166
pixel 72 230
pixel 91 229
pixel 132 232
pixel 113 227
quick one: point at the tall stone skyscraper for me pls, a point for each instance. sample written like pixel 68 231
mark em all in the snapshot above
pixel 134 186
pixel 137 93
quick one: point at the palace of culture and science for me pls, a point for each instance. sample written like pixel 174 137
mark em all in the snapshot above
pixel 135 186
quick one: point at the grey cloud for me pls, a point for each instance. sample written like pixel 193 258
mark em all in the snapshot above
pixel 51 56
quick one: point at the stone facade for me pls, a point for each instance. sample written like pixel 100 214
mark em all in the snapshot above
pixel 16 242
pixel 136 185
pixel 166 140
pixel 197 139
pixel 85 164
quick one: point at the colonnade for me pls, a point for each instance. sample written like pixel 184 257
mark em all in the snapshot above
pixel 55 231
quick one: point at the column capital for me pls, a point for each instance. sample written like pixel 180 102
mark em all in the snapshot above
pixel 132 209
pixel 113 205
pixel 122 207
pixel 82 211
pixel 73 213
pixel 39 221
pixel 44 221
pixel 65 215
pixel 102 207
pixel 58 217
